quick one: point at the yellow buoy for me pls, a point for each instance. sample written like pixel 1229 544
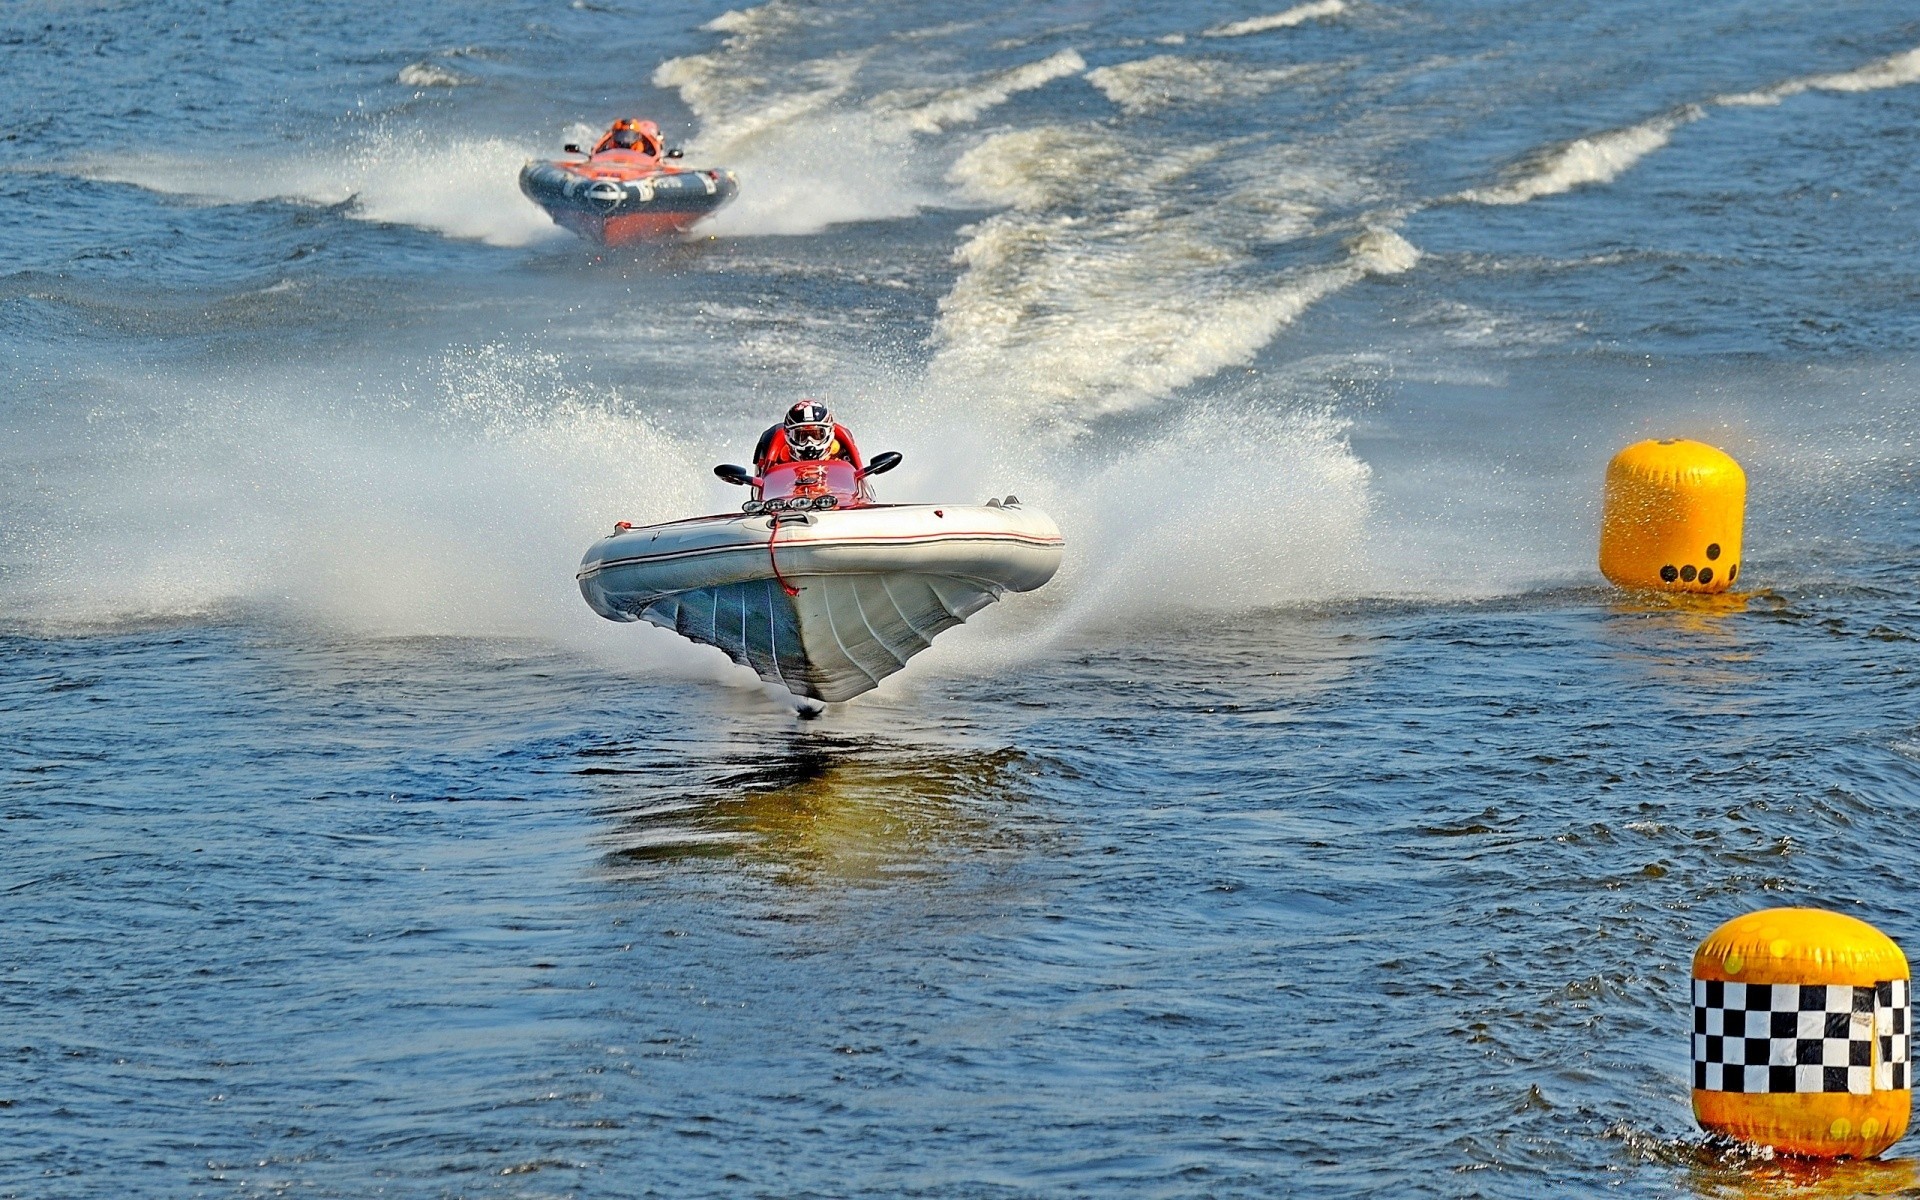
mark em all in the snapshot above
pixel 1672 517
pixel 1800 1021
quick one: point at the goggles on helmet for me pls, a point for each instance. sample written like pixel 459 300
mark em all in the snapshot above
pixel 809 437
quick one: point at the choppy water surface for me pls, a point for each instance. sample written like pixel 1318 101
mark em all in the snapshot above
pixel 1323 830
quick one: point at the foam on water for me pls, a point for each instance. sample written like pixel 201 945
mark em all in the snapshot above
pixel 461 186
pixel 1604 157
pixel 1599 158
pixel 1299 14
pixel 1170 79
pixel 957 106
pixel 425 74
pixel 1896 70
pixel 810 150
pixel 1104 287
pixel 760 20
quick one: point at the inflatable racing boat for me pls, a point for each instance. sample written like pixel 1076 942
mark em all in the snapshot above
pixel 614 196
pixel 813 585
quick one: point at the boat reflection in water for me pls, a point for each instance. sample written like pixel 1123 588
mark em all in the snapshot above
pixel 844 809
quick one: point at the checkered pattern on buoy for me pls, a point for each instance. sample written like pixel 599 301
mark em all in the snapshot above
pixel 1892 1018
pixel 1800 1037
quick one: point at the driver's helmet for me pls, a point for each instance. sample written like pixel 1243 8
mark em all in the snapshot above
pixel 809 429
pixel 627 134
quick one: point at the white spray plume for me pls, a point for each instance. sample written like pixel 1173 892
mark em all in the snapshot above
pixel 461 187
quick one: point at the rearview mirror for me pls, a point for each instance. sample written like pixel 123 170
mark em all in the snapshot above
pixel 733 474
pixel 676 152
pixel 573 148
pixel 882 463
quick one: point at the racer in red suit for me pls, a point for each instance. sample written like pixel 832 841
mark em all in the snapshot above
pixel 808 434
pixel 640 137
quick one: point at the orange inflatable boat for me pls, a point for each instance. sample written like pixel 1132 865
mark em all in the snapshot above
pixel 626 189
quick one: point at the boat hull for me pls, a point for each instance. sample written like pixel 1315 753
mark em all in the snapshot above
pixel 614 209
pixel 839 601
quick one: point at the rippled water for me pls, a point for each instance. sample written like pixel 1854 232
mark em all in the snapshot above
pixel 1324 829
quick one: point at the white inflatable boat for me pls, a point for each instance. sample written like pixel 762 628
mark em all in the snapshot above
pixel 814 586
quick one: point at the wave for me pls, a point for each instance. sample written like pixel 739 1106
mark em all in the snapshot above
pixel 961 105
pixel 736 116
pixel 1168 79
pixel 1603 157
pixel 776 16
pixel 460 187
pixel 427 74
pixel 1102 289
pixel 1897 70
pixel 768 120
pixel 1599 158
pixel 1299 14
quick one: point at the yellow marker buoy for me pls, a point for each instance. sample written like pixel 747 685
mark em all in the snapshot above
pixel 1672 517
pixel 1800 1034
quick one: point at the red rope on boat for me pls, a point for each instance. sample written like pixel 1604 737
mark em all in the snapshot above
pixel 773 531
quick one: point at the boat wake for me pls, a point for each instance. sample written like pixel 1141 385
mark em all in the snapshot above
pixel 1604 157
pixel 1600 158
pixel 1897 70
pixel 461 187
pixel 814 142
pixel 1170 80
pixel 1104 286
pixel 1297 15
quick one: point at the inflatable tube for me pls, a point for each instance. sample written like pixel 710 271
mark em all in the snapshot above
pixel 826 603
pixel 614 204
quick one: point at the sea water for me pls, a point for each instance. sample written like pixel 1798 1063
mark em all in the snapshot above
pixel 1324 829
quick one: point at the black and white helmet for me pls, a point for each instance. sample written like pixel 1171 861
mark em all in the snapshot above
pixel 809 429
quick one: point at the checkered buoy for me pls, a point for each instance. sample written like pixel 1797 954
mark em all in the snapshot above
pixel 1672 517
pixel 1800 1021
